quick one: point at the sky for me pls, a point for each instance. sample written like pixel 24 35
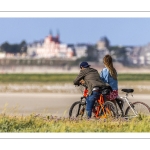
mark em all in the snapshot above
pixel 119 31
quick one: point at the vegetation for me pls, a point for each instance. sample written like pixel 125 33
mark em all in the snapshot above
pixel 14 48
pixel 34 123
pixel 12 78
pixel 37 77
pixel 134 77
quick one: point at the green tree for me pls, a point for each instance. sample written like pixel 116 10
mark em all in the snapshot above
pixel 14 48
pixel 119 54
pixel 92 53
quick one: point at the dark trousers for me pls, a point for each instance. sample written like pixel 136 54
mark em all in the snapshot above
pixel 90 100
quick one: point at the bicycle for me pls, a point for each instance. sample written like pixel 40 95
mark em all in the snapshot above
pixel 132 109
pixel 101 109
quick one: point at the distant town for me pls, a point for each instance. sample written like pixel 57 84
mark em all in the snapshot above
pixel 51 51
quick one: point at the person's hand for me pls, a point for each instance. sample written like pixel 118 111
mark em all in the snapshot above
pixel 82 81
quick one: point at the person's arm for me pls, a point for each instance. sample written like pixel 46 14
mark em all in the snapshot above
pixel 79 78
pixel 104 76
pixel 105 79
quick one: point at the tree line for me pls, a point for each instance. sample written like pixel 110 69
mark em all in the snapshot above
pixel 118 52
pixel 14 48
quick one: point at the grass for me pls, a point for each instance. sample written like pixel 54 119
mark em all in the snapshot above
pixel 5 78
pixel 134 77
pixel 33 123
pixel 40 78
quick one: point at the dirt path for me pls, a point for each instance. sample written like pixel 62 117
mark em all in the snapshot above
pixel 45 103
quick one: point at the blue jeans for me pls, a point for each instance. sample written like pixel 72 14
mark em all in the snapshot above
pixel 90 100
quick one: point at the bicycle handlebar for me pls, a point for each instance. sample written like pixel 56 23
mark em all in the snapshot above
pixel 82 85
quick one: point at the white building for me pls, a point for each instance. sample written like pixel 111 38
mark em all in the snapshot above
pixel 102 49
pixel 49 48
pixel 81 50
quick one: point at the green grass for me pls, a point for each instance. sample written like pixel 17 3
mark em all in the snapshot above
pixel 134 77
pixel 63 77
pixel 54 124
pixel 37 77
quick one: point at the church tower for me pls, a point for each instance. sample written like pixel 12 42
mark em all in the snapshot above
pixel 57 36
pixel 50 35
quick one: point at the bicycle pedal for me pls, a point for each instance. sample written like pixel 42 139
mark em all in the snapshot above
pixel 103 117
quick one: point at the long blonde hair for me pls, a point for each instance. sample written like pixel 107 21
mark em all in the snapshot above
pixel 107 60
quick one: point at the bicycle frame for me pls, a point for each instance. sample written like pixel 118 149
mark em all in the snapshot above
pixel 101 108
pixel 97 108
pixel 125 98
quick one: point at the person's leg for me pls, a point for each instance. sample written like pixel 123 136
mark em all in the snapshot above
pixel 90 103
pixel 112 97
pixel 114 101
pixel 120 103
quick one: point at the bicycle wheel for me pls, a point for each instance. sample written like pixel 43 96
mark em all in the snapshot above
pixel 139 108
pixel 109 110
pixel 77 109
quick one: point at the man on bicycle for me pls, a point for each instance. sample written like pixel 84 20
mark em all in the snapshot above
pixel 90 77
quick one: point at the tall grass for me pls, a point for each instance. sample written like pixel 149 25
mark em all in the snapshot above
pixel 33 123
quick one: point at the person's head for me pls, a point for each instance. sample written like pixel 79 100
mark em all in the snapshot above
pixel 108 62
pixel 84 64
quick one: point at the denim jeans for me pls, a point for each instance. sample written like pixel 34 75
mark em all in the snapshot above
pixel 90 102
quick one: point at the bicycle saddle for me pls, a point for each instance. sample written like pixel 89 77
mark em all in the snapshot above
pixel 128 90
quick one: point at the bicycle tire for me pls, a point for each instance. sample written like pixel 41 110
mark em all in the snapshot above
pixel 110 110
pixel 76 108
pixel 144 109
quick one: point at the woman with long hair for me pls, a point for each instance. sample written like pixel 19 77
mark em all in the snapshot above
pixel 109 75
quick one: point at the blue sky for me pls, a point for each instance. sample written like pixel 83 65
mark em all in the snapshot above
pixel 119 31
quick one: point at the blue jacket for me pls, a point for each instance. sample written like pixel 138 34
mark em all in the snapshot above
pixel 107 78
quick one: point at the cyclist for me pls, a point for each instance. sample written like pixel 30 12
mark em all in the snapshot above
pixel 90 77
pixel 109 75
